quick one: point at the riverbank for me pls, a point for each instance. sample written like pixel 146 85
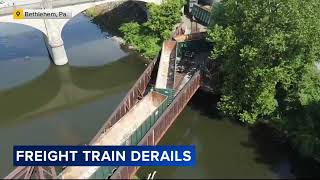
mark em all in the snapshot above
pixel 109 17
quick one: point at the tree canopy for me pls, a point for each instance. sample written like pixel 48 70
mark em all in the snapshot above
pixel 147 37
pixel 268 50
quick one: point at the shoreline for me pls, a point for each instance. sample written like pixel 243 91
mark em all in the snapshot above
pixel 103 14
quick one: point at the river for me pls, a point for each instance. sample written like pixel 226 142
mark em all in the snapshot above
pixel 41 103
pixel 227 149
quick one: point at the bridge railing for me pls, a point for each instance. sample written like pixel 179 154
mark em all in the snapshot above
pixel 9 10
pixel 32 172
pixel 157 131
pixel 135 138
pixel 60 3
pixel 133 96
pixel 202 14
pixel 38 5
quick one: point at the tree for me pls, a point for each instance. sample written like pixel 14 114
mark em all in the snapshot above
pixel 268 49
pixel 304 122
pixel 147 37
pixel 162 18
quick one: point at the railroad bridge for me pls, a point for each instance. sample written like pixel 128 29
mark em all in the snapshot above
pixel 52 28
pixel 146 113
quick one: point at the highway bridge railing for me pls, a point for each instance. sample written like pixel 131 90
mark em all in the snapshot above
pixel 9 10
pixel 38 5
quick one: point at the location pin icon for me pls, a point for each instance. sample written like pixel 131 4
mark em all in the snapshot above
pixel 18 13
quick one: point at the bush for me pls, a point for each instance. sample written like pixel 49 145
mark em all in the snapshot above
pixel 148 37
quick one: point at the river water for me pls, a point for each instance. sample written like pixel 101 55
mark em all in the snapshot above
pixel 227 149
pixel 41 103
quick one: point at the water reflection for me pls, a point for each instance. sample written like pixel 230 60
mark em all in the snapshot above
pixel 65 86
pixel 20 41
pixel 15 72
pixel 41 103
pixel 84 50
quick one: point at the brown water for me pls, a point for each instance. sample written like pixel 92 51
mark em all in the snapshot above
pixel 41 103
pixel 228 149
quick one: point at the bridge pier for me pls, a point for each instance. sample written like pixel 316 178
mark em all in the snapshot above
pixel 54 43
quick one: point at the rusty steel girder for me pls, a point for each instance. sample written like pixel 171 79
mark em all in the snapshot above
pixel 32 172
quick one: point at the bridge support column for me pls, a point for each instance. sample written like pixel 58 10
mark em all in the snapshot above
pixel 55 43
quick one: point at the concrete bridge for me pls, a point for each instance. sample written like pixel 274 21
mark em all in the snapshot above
pixel 52 28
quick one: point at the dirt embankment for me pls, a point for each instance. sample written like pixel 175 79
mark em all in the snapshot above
pixel 109 17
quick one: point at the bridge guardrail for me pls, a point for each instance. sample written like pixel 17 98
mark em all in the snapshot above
pixel 9 10
pixel 60 3
pixel 38 5
pixel 132 97
pixel 154 128
pixel 104 171
pixel 157 131
pixel 202 14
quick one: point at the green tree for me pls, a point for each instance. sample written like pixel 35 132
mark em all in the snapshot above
pixel 131 32
pixel 304 122
pixel 162 18
pixel 268 49
pixel 147 37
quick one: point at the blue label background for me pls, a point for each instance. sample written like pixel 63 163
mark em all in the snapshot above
pixel 80 157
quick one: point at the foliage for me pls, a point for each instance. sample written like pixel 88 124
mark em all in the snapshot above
pixel 147 44
pixel 91 12
pixel 268 49
pixel 304 128
pixel 304 122
pixel 162 18
pixel 147 37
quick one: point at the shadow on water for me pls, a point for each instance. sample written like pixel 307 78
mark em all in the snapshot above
pixel 273 149
pixel 228 148
pixel 206 104
pixel 126 12
pixel 27 97
pixel 270 146
pixel 56 81
pixel 268 143
pixel 109 73
pixel 60 105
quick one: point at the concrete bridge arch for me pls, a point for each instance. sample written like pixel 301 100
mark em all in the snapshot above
pixel 52 28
